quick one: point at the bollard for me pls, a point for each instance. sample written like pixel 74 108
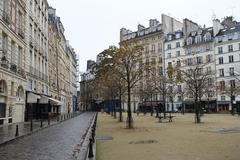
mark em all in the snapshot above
pixel 41 123
pixel 17 134
pixel 31 125
pixel 93 136
pixel 90 153
pixel 48 121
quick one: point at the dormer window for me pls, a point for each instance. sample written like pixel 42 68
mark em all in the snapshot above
pixel 207 37
pixel 193 33
pixel 189 41
pixel 198 39
pixel 178 35
pixel 169 37
pixel 200 32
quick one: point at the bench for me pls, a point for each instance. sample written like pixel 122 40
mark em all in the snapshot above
pixel 169 118
pixel 160 118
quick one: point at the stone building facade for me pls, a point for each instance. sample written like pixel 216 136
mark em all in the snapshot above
pixel 12 60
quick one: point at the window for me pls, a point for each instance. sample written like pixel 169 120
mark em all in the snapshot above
pixel 169 46
pixel 232 84
pixel 179 88
pixel 220 50
pixel 239 46
pixel 169 55
pixel 199 60
pixel 189 51
pixel 222 85
pixel 178 64
pixel 2 110
pixel 146 49
pixel 179 98
pixel 231 71
pixel 198 39
pixel 189 41
pixel 209 70
pixel 209 58
pixel 177 44
pixel 189 61
pixel 210 82
pixel 220 59
pixel 153 48
pixel 223 98
pixel 160 59
pixel 12 88
pixel 207 36
pixel 231 60
pixel 230 48
pixel 159 47
pixel 178 53
pixel 221 72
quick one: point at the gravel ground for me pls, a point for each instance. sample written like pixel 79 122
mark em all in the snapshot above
pixel 217 138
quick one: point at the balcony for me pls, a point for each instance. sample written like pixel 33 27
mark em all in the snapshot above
pixel 31 41
pixel 21 32
pixel 13 67
pixel 4 62
pixel 6 17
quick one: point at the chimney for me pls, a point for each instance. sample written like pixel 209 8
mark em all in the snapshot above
pixel 217 26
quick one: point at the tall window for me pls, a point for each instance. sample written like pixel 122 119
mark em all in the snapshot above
pixel 20 54
pixel 169 46
pixel 178 53
pixel 220 50
pixel 231 60
pixel 153 48
pixel 220 59
pixel 199 60
pixel 232 84
pixel 231 71
pixel 159 47
pixel 230 48
pixel 222 85
pixel 169 55
pixel 221 72
pixel 177 44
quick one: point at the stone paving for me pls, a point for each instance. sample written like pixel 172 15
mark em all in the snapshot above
pixel 55 142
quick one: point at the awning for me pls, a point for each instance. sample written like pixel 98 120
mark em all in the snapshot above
pixel 55 102
pixel 32 98
pixel 43 100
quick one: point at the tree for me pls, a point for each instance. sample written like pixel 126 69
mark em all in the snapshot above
pixel 196 85
pixel 123 64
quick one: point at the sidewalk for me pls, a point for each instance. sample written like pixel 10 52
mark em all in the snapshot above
pixel 7 132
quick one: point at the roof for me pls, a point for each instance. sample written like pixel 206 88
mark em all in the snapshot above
pixel 229 30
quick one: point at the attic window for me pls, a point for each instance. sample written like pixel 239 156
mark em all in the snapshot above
pixel 193 33
pixel 232 28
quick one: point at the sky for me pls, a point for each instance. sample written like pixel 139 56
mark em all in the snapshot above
pixel 93 25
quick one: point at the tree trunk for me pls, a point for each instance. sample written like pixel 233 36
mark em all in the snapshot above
pixel 197 113
pixel 120 109
pixel 129 113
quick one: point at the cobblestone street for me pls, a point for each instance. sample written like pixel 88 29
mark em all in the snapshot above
pixel 56 142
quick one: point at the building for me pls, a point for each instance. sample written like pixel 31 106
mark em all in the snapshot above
pixel 152 39
pixel 227 52
pixel 36 57
pixel 73 77
pixel 86 89
pixel 13 57
pixel 173 54
pixel 62 67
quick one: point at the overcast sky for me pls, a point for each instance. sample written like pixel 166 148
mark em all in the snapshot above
pixel 93 25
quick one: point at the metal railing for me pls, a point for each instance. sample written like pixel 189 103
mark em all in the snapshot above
pixel 5 16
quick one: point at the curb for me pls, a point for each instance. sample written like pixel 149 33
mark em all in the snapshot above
pixel 33 132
